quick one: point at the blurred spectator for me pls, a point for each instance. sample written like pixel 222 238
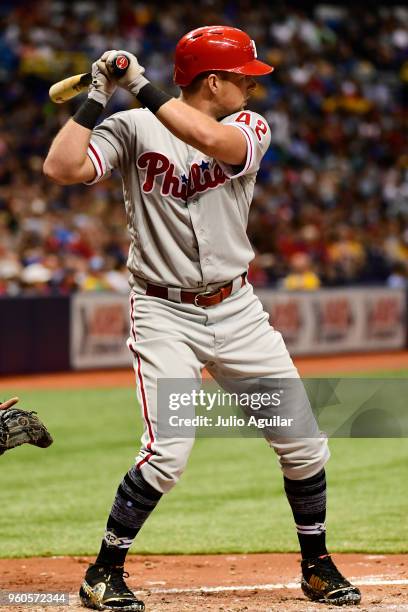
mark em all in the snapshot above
pixel 345 253
pixel 258 269
pixel 301 277
pixel 10 269
pixel 95 277
pixel 35 279
pixel 333 184
pixel 398 277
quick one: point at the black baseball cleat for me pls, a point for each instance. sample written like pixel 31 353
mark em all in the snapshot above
pixel 322 581
pixel 104 588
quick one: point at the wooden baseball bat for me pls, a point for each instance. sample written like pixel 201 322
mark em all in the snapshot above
pixel 9 403
pixel 68 88
pixel 72 86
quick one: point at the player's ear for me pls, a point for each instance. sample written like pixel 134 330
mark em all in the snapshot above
pixel 214 81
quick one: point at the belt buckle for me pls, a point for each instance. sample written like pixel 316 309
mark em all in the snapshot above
pixel 197 295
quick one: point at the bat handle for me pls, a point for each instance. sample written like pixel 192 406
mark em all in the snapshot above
pixel 119 64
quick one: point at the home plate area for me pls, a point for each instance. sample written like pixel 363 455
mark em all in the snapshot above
pixel 227 583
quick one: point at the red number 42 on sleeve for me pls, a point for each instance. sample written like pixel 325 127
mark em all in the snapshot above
pixel 260 127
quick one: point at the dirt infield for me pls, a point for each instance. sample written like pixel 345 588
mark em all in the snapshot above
pixel 227 583
pixel 307 366
pixel 250 583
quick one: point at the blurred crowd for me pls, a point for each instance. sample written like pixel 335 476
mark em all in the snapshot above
pixel 331 202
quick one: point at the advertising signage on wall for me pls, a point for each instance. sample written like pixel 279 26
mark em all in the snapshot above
pixel 327 321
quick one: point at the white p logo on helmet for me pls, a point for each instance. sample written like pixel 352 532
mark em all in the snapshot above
pixel 253 45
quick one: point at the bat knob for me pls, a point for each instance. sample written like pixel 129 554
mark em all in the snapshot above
pixel 119 64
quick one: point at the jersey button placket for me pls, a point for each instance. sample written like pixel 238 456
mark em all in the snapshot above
pixel 201 237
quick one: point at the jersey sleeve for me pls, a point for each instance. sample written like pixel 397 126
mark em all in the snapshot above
pixel 109 145
pixel 258 136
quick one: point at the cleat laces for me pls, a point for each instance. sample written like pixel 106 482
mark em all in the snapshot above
pixel 118 584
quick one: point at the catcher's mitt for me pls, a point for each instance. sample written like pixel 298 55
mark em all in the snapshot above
pixel 20 427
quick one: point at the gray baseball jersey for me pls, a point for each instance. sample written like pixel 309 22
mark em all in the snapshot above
pixel 187 213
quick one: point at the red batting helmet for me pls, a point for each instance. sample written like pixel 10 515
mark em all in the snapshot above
pixel 216 48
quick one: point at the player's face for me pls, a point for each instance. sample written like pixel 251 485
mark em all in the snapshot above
pixel 235 91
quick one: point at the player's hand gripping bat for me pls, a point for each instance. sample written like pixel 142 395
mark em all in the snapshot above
pixel 72 86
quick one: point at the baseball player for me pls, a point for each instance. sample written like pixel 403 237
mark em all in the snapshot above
pixel 189 167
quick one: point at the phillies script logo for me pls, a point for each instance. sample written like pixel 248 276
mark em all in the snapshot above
pixel 201 177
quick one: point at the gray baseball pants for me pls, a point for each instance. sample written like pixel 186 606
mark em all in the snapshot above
pixel 233 340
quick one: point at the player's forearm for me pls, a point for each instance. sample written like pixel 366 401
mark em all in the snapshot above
pixel 67 161
pixel 203 132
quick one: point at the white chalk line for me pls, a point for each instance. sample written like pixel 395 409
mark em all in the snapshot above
pixel 372 581
pixel 269 587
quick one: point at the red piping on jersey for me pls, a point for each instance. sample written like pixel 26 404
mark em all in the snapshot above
pixel 98 159
pixel 142 387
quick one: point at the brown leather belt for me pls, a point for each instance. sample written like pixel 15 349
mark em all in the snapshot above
pixel 201 298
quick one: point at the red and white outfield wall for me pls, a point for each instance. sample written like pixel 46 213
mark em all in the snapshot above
pixel 335 321
pixel 328 321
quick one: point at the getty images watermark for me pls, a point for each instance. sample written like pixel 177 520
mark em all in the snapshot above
pixel 32 598
pixel 275 407
pixel 250 407
pixel 214 401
